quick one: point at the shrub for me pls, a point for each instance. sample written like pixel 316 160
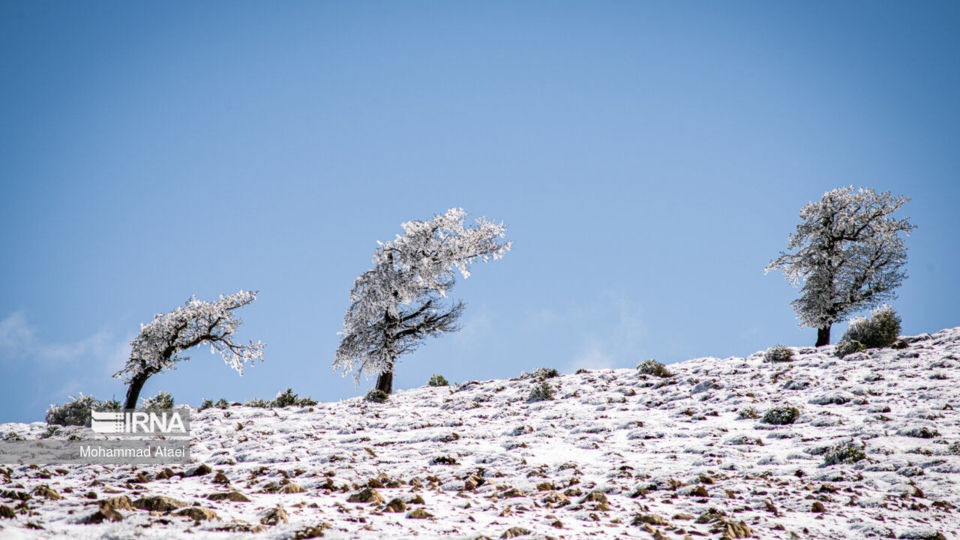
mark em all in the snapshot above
pixel 77 411
pixel 880 330
pixel 781 415
pixel 749 412
pixel 778 354
pixel 377 396
pixel 288 398
pixel 847 452
pixel 652 367
pixel 257 402
pixel 220 404
pixel 541 373
pixel 437 380
pixel 541 392
pixel 162 400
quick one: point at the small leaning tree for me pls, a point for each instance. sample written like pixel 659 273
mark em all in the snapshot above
pixel 161 342
pixel 849 256
pixel 400 301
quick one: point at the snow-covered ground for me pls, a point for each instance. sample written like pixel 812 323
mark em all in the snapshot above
pixel 616 453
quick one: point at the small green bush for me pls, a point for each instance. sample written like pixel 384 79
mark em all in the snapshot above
pixel 541 373
pixel 778 354
pixel 257 402
pixel 162 400
pixel 880 330
pixel 541 392
pixel 77 411
pixel 219 404
pixel 288 398
pixel 377 396
pixel 437 380
pixel 843 453
pixel 781 415
pixel 652 367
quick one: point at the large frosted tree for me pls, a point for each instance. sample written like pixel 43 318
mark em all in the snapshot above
pixel 161 342
pixel 848 253
pixel 401 300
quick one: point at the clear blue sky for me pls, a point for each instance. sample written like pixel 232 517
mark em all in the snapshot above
pixel 648 158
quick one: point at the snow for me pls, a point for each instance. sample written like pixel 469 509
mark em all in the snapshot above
pixel 671 447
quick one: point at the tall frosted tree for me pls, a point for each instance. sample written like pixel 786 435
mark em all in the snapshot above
pixel 848 253
pixel 161 342
pixel 401 300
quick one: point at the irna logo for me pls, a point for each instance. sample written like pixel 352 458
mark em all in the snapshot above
pixel 139 422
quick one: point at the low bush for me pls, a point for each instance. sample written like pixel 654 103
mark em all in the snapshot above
pixel 778 354
pixel 748 413
pixel 377 396
pixel 880 330
pixel 162 400
pixel 541 373
pixel 652 367
pixel 847 452
pixel 437 380
pixel 220 404
pixel 781 415
pixel 288 398
pixel 77 411
pixel 541 392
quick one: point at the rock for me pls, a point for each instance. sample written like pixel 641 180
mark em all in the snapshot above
pixel 275 516
pixel 513 492
pixel 595 496
pixel 651 519
pixel 311 532
pixel 818 507
pixel 699 491
pixel 198 514
pixel 104 514
pixel 732 529
pixel 556 498
pixel 368 495
pixel 200 470
pixel 291 488
pixel 683 516
pixel 419 513
pixel 6 512
pixel 221 478
pixel 557 524
pixel 472 483
pixel 165 474
pixel 158 504
pixel 117 503
pixel 234 496
pixel 514 532
pixel 47 493
pixel 396 506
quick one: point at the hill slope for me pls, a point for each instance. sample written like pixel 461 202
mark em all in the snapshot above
pixel 617 452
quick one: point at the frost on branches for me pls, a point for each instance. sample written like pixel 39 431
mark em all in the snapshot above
pixel 848 254
pixel 160 342
pixel 401 300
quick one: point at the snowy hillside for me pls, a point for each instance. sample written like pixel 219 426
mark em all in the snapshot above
pixel 874 452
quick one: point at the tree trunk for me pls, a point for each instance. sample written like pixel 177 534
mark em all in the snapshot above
pixel 385 382
pixel 133 391
pixel 823 336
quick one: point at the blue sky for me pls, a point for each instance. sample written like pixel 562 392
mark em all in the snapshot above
pixel 648 158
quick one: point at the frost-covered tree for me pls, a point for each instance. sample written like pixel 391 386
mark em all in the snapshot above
pixel 161 342
pixel 400 301
pixel 848 252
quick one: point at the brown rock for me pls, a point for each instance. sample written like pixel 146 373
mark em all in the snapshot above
pixel 396 506
pixel 311 532
pixel 652 519
pixel 818 507
pixel 419 513
pixel 104 514
pixel 116 503
pixel 513 492
pixel 368 495
pixel 514 532
pixel 556 499
pixel 595 496
pixel 234 496
pixel 201 470
pixel 158 504
pixel 6 512
pixel 699 491
pixel 221 478
pixel 291 488
pixel 736 530
pixel 275 516
pixel 47 492
pixel 198 514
